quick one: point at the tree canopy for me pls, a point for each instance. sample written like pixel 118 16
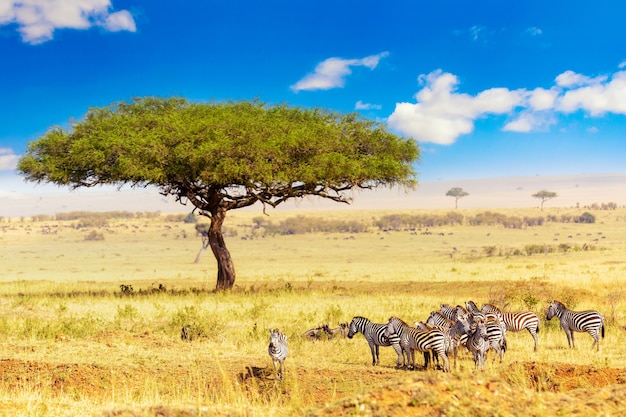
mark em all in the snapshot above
pixel 221 156
pixel 544 195
pixel 457 193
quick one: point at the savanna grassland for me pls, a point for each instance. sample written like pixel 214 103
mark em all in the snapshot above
pixel 91 314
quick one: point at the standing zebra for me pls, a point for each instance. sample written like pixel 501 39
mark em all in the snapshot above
pixel 456 331
pixel 412 339
pixel 375 335
pixel 478 343
pixel 516 322
pixel 278 350
pixel 589 321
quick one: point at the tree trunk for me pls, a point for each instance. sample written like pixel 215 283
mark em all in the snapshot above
pixel 225 266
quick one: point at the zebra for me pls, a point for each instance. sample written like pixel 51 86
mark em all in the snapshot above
pixel 589 321
pixel 496 334
pixel 478 343
pixel 375 335
pixel 456 331
pixel 450 312
pixel 412 339
pixel 278 350
pixel 516 322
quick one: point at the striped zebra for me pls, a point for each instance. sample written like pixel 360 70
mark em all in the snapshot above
pixel 278 350
pixel 496 334
pixel 452 312
pixel 456 331
pixel 478 343
pixel 375 335
pixel 589 321
pixel 516 322
pixel 412 339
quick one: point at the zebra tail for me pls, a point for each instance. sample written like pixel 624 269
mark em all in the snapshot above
pixel 537 328
pixel 603 330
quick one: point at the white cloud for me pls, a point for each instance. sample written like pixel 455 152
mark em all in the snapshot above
pixel 542 99
pixel 8 159
pixel 572 79
pixel 477 32
pixel 118 21
pixel 533 31
pixel 366 106
pixel 441 114
pixel 597 96
pixel 331 73
pixel 530 121
pixel 37 20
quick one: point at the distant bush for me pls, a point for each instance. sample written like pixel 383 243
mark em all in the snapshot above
pixel 411 222
pixel 42 218
pixel 93 236
pixel 77 215
pixel 301 224
pixel 92 222
pixel 190 218
pixel 175 218
pixel 586 217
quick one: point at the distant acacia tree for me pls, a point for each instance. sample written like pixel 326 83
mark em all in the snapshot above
pixel 545 195
pixel 223 156
pixel 457 193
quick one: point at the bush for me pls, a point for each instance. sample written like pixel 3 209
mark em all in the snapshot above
pixel 586 217
pixel 93 236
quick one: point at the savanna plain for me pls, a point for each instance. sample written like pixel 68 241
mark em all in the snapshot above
pixel 91 312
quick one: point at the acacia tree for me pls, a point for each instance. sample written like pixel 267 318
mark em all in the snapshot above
pixel 457 193
pixel 544 195
pixel 221 156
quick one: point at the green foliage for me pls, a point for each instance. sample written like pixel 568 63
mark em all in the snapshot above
pixel 302 224
pixel 586 217
pixel 409 222
pixel 183 146
pixel 200 323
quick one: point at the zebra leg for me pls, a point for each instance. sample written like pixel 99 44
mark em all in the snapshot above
pixel 373 349
pixel 596 340
pixel 400 354
pixel 280 371
pixel 534 335
pixel 446 362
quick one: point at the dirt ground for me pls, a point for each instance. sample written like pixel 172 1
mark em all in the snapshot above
pixel 547 389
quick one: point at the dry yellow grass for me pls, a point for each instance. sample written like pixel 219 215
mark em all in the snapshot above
pixel 74 345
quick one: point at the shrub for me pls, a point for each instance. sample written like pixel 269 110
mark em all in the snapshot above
pixel 93 236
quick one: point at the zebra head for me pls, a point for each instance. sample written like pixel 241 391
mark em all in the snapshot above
pixel 480 328
pixel 353 327
pixel 553 309
pixel 275 336
pixel 393 326
pixel 462 324
pixel 472 307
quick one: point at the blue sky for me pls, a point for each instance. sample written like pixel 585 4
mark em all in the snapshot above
pixel 489 88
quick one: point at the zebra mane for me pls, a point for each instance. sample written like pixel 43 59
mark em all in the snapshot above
pixel 558 303
pixel 493 307
pixel 360 317
pixel 398 319
pixel 462 308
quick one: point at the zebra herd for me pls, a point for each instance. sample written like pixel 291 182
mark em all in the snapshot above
pixel 478 330
pixel 450 328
